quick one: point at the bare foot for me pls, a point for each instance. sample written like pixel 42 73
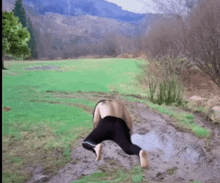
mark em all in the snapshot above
pixel 98 150
pixel 144 159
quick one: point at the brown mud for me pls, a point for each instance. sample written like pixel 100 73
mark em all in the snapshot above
pixel 174 155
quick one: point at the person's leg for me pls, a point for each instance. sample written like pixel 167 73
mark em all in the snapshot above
pixel 100 133
pixel 123 139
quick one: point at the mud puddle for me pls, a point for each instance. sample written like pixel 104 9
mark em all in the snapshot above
pixel 174 156
pixel 153 142
pixel 169 145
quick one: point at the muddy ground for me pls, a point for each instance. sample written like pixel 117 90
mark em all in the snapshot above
pixel 174 155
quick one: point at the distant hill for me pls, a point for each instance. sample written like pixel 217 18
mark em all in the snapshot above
pixel 59 34
pixel 99 8
pixel 68 28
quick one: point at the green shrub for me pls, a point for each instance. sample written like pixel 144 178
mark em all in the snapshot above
pixel 152 88
pixel 169 91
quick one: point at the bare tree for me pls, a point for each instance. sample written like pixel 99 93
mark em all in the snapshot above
pixel 165 38
pixel 168 36
pixel 204 38
pixel 175 8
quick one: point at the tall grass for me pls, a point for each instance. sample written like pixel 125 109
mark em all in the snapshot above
pixel 168 92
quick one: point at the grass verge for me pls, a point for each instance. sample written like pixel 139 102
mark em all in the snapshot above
pixel 185 121
pixel 114 176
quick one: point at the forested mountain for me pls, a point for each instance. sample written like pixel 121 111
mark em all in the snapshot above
pixel 69 28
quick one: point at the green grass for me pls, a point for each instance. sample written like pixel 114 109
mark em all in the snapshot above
pixel 171 171
pixel 182 120
pixel 20 91
pixel 12 177
pixel 41 124
pixel 84 75
pixel 135 175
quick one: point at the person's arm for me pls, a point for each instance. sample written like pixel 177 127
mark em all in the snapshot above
pixel 97 117
pixel 127 119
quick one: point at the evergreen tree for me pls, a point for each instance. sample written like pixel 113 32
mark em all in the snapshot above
pixel 15 37
pixel 32 42
pixel 19 11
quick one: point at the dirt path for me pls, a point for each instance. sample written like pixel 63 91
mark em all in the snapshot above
pixel 174 156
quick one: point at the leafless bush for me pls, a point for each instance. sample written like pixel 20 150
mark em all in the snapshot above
pixel 174 66
pixel 164 68
pixel 164 38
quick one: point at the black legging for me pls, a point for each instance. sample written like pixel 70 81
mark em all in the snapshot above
pixel 115 129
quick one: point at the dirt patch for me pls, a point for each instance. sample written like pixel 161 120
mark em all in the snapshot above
pixel 126 55
pixel 174 156
pixel 198 83
pixel 44 67
pixel 84 107
pixel 6 109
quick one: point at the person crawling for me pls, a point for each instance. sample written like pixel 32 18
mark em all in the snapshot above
pixel 111 121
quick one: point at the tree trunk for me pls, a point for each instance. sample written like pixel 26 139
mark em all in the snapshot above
pixel 3 68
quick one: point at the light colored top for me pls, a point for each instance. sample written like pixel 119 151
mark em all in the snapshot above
pixel 111 108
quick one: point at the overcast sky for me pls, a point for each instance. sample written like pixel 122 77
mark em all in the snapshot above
pixel 136 6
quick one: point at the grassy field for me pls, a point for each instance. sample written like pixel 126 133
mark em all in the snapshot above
pixel 41 129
